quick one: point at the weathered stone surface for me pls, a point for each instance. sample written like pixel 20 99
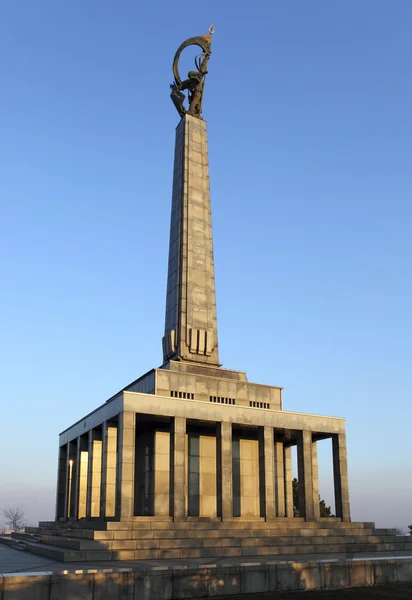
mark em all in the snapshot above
pixel 254 580
pixel 154 586
pixel 75 586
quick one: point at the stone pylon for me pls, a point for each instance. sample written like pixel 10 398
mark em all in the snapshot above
pixel 191 326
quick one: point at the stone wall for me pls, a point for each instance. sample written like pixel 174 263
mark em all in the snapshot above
pixel 170 583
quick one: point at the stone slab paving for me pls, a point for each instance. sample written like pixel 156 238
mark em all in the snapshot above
pixel 18 561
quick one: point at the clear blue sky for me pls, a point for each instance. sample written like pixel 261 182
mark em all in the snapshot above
pixel 309 115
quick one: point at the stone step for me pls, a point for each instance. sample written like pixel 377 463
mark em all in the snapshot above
pixel 64 554
pixel 68 555
pixel 220 547
pixel 208 534
pixel 64 542
pixel 8 540
pixel 199 523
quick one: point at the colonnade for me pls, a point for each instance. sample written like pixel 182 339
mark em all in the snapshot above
pixel 103 473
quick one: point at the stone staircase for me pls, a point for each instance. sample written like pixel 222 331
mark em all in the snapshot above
pixel 146 538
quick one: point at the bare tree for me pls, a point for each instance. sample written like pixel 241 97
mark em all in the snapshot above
pixel 14 515
pixel 399 531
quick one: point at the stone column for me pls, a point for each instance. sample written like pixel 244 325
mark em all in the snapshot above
pixel 305 475
pixel 225 436
pixel 61 494
pixel 162 473
pixel 82 476
pixel 280 480
pixel 108 484
pixel 207 476
pixel 125 465
pixel 315 480
pixel 340 476
pixel 70 480
pixel 269 460
pixel 288 481
pixel 76 481
pixel 179 479
pixel 103 472
pixel 94 477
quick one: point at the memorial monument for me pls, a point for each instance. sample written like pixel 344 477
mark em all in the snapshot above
pixel 192 459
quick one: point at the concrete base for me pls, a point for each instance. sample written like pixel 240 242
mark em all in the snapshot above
pixel 155 539
pixel 199 582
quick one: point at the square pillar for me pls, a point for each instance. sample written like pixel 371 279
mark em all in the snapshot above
pixel 280 480
pixel 94 476
pixel 70 479
pixel 305 475
pixel 83 458
pixel 269 478
pixel 340 476
pixel 287 453
pixel 161 472
pixel 61 483
pixel 193 474
pixel 74 506
pixel 126 435
pixel 178 440
pixel 315 480
pixel 225 468
pixel 108 482
pixel 207 476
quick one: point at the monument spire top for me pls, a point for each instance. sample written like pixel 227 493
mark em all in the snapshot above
pixel 195 81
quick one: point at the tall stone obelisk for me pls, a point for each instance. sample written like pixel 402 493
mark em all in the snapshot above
pixel 191 326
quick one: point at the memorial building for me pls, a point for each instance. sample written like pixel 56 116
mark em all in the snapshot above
pixel 192 459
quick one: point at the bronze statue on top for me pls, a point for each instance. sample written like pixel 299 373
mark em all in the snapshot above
pixel 196 79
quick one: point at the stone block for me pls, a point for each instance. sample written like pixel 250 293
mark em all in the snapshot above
pixel 231 552
pixel 290 550
pixel 162 462
pixel 92 555
pixel 200 525
pixel 404 569
pixel 19 586
pixel 103 537
pixel 151 544
pixel 123 554
pixel 162 504
pixel 123 545
pixel 148 554
pixel 251 551
pixel 361 573
pixel 191 553
pixel 286 580
pixel 171 553
pixel 153 587
pixel 336 575
pixel 190 585
pixel 385 571
pixel 254 541
pixel 122 535
pixel 212 552
pixel 254 580
pixel 147 534
pixel 310 575
pixel 231 542
pixel 224 582
pixel 75 586
pixel 126 525
pixel 116 586
pixel 270 551
pixel 154 525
